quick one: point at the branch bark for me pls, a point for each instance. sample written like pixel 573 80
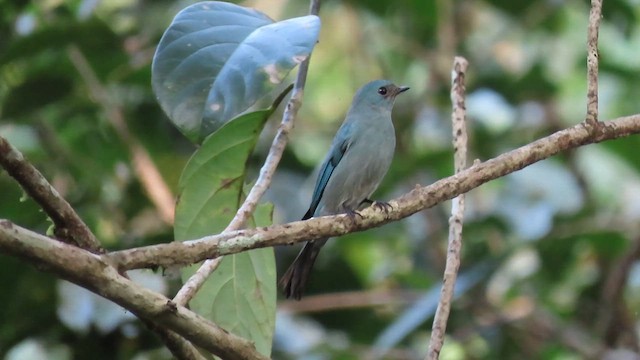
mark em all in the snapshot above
pixel 93 273
pixel 179 347
pixel 595 15
pixel 422 197
pixel 69 227
pixel 460 138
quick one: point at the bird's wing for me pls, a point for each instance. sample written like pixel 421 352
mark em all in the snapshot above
pixel 338 150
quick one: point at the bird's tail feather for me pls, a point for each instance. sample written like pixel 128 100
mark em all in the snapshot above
pixel 294 280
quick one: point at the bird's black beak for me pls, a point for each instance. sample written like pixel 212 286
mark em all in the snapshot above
pixel 402 89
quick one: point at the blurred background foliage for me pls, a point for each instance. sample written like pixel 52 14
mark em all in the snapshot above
pixel 550 253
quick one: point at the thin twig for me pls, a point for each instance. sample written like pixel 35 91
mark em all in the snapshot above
pixel 69 227
pixel 195 282
pixel 349 300
pixel 93 273
pixel 146 171
pixel 457 209
pixel 592 62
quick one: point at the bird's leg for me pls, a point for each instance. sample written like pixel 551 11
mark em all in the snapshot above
pixel 380 205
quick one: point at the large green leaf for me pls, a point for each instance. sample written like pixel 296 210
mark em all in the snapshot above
pixel 217 59
pixel 211 183
pixel 240 295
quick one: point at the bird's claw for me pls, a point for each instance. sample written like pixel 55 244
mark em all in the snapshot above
pixel 383 206
pixel 352 214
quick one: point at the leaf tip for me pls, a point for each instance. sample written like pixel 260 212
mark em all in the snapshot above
pixel 311 21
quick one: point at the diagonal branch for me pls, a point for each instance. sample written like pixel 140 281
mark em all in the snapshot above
pixel 93 273
pixel 422 197
pixel 180 348
pixel 69 227
pixel 195 282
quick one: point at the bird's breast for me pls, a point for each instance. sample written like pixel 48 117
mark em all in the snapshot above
pixel 361 170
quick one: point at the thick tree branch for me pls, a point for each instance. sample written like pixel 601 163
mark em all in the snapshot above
pixel 179 347
pixel 454 249
pixel 195 282
pixel 91 272
pixel 69 227
pixel 422 197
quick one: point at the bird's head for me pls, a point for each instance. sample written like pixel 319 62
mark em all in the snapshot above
pixel 379 94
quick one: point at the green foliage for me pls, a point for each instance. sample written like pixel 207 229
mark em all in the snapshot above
pixel 552 242
pixel 214 176
pixel 240 295
pixel 216 59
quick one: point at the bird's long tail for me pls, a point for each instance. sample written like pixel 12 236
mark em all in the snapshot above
pixel 294 280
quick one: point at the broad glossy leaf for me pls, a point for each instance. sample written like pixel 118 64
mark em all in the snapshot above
pixel 217 59
pixel 240 295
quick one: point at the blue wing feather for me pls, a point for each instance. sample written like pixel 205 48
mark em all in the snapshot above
pixel 338 150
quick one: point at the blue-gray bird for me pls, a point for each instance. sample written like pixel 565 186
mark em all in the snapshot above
pixel 359 158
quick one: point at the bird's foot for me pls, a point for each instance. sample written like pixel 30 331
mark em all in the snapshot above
pixel 383 206
pixel 352 214
pixel 380 205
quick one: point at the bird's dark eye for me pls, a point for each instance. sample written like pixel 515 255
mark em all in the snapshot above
pixel 382 91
